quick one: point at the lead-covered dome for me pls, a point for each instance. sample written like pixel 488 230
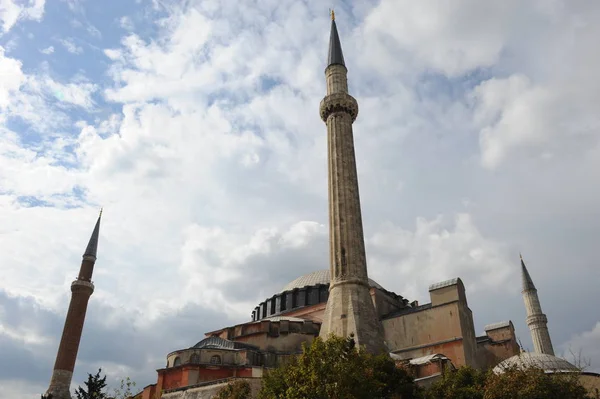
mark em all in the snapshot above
pixel 543 361
pixel 316 278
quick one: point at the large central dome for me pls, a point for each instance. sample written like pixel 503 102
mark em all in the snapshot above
pixel 315 278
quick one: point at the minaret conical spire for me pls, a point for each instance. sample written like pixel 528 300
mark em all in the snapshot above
pixel 336 57
pixel 527 281
pixel 92 247
pixel 536 319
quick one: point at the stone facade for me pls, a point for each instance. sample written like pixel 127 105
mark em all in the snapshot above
pixel 345 302
pixel 498 343
pixel 441 331
pixel 445 326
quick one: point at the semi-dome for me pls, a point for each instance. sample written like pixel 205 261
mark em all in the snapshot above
pixel 543 361
pixel 316 278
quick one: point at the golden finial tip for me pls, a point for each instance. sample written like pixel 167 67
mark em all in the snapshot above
pixel 520 256
pixel 332 15
pixel 101 209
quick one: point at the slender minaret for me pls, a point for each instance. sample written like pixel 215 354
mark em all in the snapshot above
pixel 81 290
pixel 350 311
pixel 536 320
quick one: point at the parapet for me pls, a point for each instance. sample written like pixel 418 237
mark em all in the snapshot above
pixel 447 291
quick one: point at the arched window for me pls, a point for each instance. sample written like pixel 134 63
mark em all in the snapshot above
pixel 194 359
pixel 177 362
pixel 215 359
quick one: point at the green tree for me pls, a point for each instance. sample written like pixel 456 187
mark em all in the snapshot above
pixel 464 383
pixel 531 383
pixel 94 387
pixel 239 389
pixel 534 383
pixel 335 369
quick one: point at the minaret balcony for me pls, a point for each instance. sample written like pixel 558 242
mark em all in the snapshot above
pixel 82 286
pixel 338 102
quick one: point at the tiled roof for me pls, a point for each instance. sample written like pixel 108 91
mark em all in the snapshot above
pixel 427 359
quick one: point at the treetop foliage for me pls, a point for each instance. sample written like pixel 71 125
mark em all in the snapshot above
pixel 335 369
pixel 94 387
pixel 531 383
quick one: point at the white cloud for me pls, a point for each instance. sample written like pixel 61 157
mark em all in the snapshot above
pixel 13 10
pixel 585 348
pixel 210 160
pixel 11 78
pixel 70 46
pixel 126 23
pixel 452 38
pixel 47 50
pixel 437 250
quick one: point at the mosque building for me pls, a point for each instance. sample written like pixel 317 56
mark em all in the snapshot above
pixel 426 338
pixel 342 299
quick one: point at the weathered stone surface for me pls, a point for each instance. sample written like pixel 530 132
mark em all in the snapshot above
pixel 350 313
pixel 208 392
pixel 60 384
pixel 349 310
pixel 537 323
pixel 536 319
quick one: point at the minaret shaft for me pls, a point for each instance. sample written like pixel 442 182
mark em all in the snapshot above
pixel 349 310
pixel 81 290
pixel 536 319
pixel 537 323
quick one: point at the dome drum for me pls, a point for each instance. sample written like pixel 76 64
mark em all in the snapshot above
pixel 294 299
pixel 307 290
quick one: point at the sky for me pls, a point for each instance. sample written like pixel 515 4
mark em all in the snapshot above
pixel 195 124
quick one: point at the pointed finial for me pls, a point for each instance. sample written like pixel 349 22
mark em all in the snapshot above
pixel 332 14
pixel 526 277
pixel 92 247
pixel 335 56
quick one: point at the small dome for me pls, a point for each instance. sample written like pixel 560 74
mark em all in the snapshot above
pixel 543 361
pixel 315 278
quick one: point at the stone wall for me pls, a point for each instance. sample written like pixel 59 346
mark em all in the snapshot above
pixel 443 326
pixel 499 343
pixel 208 391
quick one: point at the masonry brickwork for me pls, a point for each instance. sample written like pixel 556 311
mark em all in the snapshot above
pixel 81 290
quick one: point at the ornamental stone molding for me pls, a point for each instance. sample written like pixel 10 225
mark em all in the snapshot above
pixel 80 286
pixel 338 102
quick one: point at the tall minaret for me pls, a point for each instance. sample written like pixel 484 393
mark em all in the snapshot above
pixel 81 290
pixel 350 310
pixel 536 320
